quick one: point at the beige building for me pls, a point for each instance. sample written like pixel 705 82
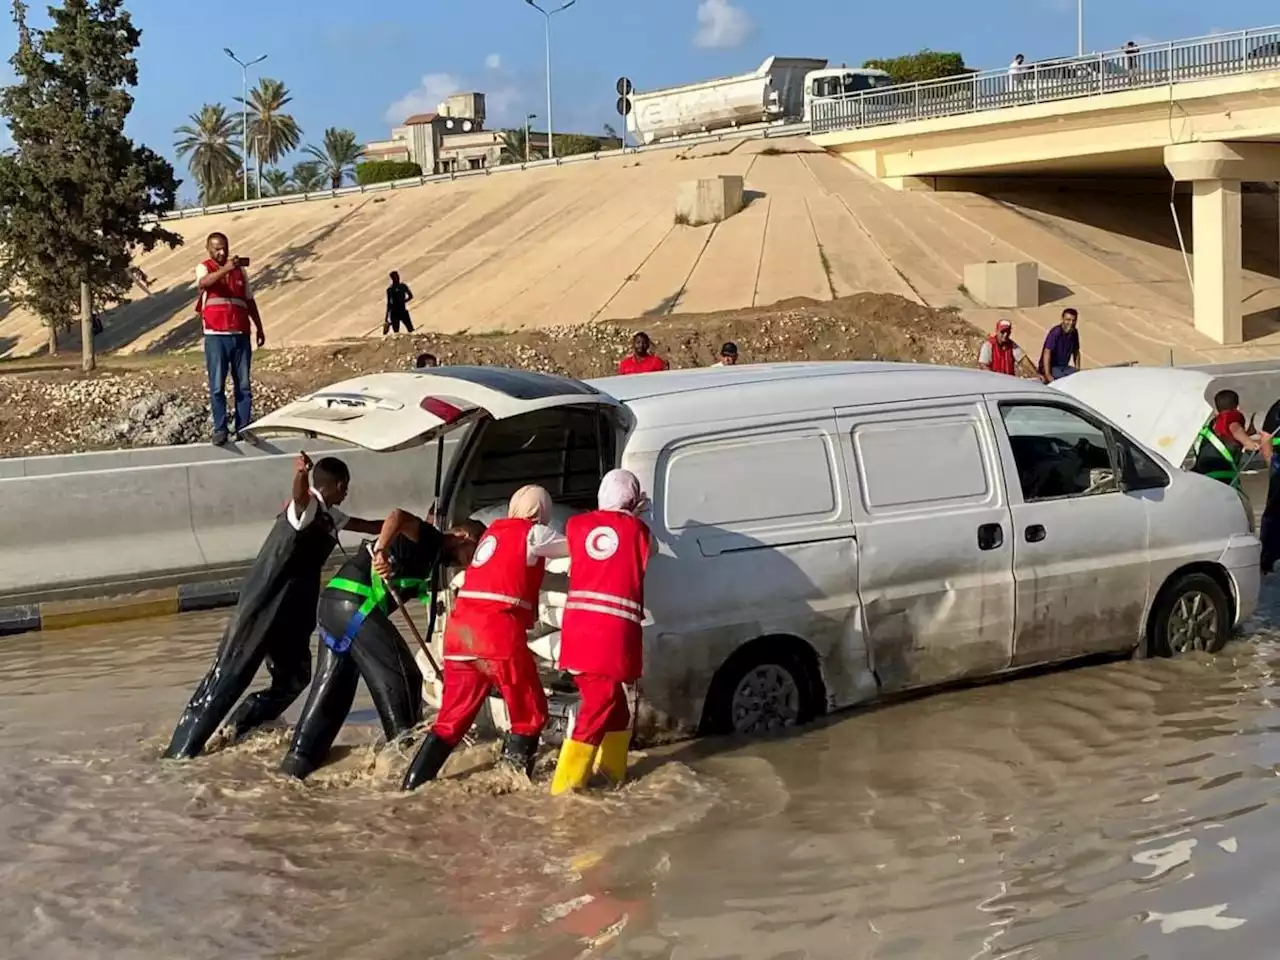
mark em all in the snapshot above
pixel 454 139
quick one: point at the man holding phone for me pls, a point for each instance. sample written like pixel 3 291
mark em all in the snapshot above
pixel 226 307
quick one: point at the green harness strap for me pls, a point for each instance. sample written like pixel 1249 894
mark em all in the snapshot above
pixel 375 593
pixel 1231 476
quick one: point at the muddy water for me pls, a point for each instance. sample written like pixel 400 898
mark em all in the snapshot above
pixel 1120 810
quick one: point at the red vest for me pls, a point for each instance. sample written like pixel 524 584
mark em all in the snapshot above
pixel 1002 356
pixel 498 601
pixel 223 307
pixel 600 632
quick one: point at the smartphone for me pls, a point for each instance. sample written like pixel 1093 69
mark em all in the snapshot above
pixel 244 261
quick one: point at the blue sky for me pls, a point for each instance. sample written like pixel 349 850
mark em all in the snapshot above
pixel 363 65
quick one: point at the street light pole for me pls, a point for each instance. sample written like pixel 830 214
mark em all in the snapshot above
pixel 1079 28
pixel 244 103
pixel 547 15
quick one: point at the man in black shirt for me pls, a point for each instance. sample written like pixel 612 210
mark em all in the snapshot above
pixel 1269 529
pixel 398 297
pixel 357 638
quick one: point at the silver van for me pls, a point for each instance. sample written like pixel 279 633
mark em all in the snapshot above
pixel 831 533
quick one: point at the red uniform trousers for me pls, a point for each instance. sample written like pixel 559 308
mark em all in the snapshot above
pixel 602 708
pixel 468 682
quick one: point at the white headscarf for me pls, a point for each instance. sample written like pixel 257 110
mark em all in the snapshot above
pixel 620 491
pixel 530 502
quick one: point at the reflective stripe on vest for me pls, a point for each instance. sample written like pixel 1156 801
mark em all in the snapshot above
pixel 495 598
pixel 1231 476
pixel 615 606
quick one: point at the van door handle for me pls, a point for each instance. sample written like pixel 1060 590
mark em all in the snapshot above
pixel 1035 533
pixel 990 536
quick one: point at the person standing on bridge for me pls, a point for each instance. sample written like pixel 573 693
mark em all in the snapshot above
pixel 226 307
pixel 275 613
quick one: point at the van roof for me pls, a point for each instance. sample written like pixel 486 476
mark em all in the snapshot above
pixel 764 388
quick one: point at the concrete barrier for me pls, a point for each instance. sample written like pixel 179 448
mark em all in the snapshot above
pixel 120 522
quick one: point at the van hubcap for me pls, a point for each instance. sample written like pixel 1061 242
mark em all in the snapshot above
pixel 1193 624
pixel 767 698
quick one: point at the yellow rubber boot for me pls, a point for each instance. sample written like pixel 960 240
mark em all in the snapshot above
pixel 573 768
pixel 611 760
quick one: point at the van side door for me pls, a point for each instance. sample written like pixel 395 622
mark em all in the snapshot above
pixel 935 542
pixel 1081 563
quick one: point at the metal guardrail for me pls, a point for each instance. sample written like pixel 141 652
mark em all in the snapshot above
pixel 1154 65
pixel 755 131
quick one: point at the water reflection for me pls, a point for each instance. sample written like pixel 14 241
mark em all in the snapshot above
pixel 1120 810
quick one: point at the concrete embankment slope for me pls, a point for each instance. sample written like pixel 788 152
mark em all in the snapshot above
pixel 597 241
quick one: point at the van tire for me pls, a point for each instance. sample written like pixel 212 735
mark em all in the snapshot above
pixel 1191 613
pixel 769 675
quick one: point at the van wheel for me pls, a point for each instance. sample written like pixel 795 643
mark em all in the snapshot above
pixel 761 691
pixel 1192 613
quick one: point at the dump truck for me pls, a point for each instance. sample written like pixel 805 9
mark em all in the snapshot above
pixel 776 91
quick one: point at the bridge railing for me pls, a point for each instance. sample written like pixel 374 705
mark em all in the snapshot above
pixel 1153 65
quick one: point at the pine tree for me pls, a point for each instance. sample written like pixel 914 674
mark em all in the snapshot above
pixel 77 196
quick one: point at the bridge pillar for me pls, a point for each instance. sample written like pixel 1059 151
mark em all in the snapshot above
pixel 1214 170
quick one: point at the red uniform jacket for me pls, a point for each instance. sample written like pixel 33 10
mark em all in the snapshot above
pixel 600 632
pixel 1002 359
pixel 499 598
pixel 224 307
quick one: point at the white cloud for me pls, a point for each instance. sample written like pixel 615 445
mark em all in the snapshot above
pixel 424 98
pixel 721 24
pixel 493 61
pixel 502 95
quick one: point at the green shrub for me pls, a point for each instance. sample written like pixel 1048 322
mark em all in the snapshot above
pixel 384 171
pixel 567 144
pixel 925 65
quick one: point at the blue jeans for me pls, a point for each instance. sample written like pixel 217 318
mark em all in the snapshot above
pixel 1060 372
pixel 223 354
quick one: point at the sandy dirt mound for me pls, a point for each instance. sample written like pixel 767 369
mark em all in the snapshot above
pixel 47 408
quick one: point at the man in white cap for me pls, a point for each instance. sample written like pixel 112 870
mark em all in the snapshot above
pixel 1000 354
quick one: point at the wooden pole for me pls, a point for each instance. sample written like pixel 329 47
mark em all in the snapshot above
pixel 87 359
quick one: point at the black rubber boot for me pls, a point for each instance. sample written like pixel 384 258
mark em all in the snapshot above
pixel 426 762
pixel 521 752
pixel 297 766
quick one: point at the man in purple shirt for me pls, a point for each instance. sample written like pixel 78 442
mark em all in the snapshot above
pixel 1060 355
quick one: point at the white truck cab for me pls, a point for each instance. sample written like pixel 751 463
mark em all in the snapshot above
pixel 841 82
pixel 830 533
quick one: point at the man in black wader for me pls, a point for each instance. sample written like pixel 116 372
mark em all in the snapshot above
pixel 1269 529
pixel 359 640
pixel 1222 442
pixel 276 612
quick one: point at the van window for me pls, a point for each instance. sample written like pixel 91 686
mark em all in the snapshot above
pixel 1138 469
pixel 762 479
pixel 565 449
pixel 926 461
pixel 1058 452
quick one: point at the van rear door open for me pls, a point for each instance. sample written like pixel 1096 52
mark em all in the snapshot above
pixel 934 532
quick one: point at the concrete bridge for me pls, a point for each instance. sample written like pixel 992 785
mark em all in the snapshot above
pixel 1202 112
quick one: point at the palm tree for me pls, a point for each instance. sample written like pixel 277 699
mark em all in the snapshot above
pixel 307 177
pixel 276 181
pixel 513 147
pixel 339 155
pixel 210 142
pixel 271 132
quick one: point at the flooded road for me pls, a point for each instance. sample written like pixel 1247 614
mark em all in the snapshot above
pixel 1117 811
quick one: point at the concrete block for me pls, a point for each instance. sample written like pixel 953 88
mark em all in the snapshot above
pixel 709 200
pixel 1009 285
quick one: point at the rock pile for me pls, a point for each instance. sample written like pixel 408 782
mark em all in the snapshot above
pixel 158 419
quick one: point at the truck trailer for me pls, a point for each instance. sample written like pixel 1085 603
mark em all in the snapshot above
pixel 774 92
